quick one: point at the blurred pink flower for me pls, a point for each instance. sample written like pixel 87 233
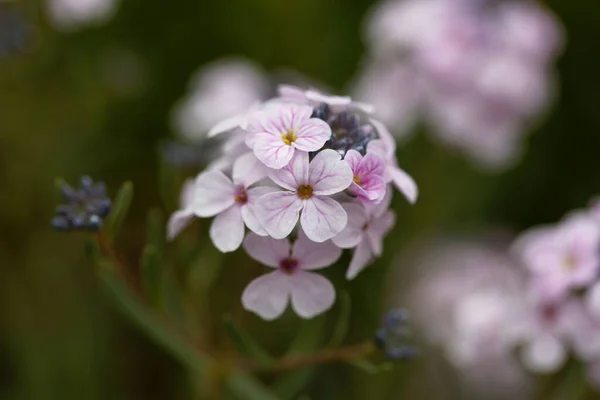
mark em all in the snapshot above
pixel 307 187
pixel 231 201
pixel 276 132
pixel 310 293
pixel 75 14
pixel 182 217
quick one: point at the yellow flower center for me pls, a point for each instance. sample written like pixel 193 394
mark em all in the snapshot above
pixel 356 180
pixel 305 192
pixel 289 137
pixel 570 262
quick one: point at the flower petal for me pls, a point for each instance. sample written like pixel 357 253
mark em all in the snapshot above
pixel 272 151
pixel 353 233
pixel 322 218
pixel 177 222
pixel 328 173
pixel 544 354
pixel 267 295
pixel 378 228
pixel 293 175
pixel 312 134
pixel 311 255
pixel 267 250
pixel 248 170
pixel 360 259
pixel 214 193
pixel 278 213
pixel 405 183
pixel 312 294
pixel 248 211
pixel 227 230
pixel 385 136
pixel 227 125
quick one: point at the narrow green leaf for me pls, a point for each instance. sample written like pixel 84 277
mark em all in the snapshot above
pixel 369 367
pixel 245 343
pixel 92 251
pixel 343 321
pixel 150 271
pixel 155 230
pixel 119 210
pixel 308 337
pixel 291 384
pixel 149 322
pixel 246 387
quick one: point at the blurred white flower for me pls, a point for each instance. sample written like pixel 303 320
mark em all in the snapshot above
pixel 219 91
pixel 74 14
pixel 479 74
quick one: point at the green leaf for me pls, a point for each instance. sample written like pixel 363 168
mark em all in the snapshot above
pixel 246 387
pixel 155 230
pixel 149 322
pixel 119 211
pixel 291 384
pixel 245 343
pixel 92 250
pixel 369 367
pixel 150 271
pixel 341 326
pixel 58 189
pixel 308 337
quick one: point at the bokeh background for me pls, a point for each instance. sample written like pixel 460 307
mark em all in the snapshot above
pixel 99 100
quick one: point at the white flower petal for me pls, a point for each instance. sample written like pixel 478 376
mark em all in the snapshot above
pixel 227 230
pixel 353 233
pixel 312 294
pixel 544 354
pixel 278 213
pixel 267 295
pixel 360 259
pixel 293 175
pixel 248 170
pixel 328 173
pixel 267 250
pixel 177 222
pixel 322 218
pixel 378 228
pixel 311 255
pixel 214 193
pixel 405 183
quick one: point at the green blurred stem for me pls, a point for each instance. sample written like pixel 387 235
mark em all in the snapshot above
pixel 325 356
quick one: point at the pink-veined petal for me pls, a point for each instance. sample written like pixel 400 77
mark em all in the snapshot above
pixel 214 193
pixel 268 295
pixel 311 255
pixel 312 134
pixel 293 175
pixel 267 250
pixel 248 211
pixel 272 151
pixel 278 213
pixel 322 218
pixel 227 125
pixel 354 232
pixel 378 209
pixel 385 136
pixel 227 230
pixel 312 294
pixel 248 170
pixel 360 259
pixel 379 148
pixel 298 115
pixel 405 183
pixel 378 228
pixel 178 221
pixel 371 189
pixel 328 173
pixel 353 158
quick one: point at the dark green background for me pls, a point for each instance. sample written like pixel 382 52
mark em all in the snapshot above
pixel 63 112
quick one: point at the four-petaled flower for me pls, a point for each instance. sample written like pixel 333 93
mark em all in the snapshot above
pixel 306 189
pixel 367 225
pixel 310 293
pixel 277 131
pixel 231 201
pixel 368 183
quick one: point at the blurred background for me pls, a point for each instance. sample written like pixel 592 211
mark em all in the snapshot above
pixel 98 87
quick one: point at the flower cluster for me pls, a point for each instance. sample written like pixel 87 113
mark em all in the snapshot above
pixel 307 166
pixel 477 70
pixel 84 208
pixel 541 296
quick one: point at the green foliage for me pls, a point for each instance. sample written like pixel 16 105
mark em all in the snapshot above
pixel 245 343
pixel 119 211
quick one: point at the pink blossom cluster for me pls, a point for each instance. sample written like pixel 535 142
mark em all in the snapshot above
pixel 300 177
pixel 541 296
pixel 477 71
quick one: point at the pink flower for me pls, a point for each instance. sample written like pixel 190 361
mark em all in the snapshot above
pixel 182 217
pixel 368 183
pixel 314 97
pixel 367 225
pixel 275 132
pixel 232 202
pixel 562 257
pixel 385 148
pixel 306 189
pixel 310 293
